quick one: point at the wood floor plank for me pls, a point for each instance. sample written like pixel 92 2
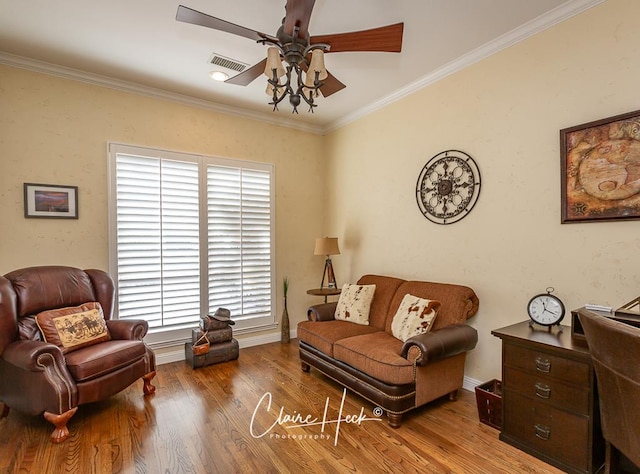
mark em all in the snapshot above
pixel 199 421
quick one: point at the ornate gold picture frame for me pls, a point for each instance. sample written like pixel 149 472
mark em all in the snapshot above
pixel 600 165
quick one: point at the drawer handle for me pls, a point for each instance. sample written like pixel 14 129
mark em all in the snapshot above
pixel 543 365
pixel 543 390
pixel 542 432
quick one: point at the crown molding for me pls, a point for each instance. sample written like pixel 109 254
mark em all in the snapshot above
pixel 130 87
pixel 529 29
pixel 543 22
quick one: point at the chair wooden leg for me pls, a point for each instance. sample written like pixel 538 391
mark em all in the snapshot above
pixel 394 419
pixel 61 432
pixel 148 389
pixel 453 396
pixel 5 411
pixel 611 459
pixel 305 367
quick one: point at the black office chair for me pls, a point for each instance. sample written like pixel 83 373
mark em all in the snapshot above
pixel 615 350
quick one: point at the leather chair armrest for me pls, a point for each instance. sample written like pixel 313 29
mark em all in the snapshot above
pixel 322 312
pixel 25 355
pixel 38 379
pixel 131 329
pixel 442 343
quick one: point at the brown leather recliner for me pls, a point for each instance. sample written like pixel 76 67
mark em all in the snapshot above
pixel 37 377
pixel 615 350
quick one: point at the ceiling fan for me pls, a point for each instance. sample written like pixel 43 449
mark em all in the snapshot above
pixel 301 52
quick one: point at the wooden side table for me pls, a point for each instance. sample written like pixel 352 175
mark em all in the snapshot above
pixel 326 292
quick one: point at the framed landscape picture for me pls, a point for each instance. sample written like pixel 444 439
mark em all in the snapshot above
pixel 600 166
pixel 50 201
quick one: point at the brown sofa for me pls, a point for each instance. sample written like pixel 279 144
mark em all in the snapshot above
pixel 369 360
pixel 38 377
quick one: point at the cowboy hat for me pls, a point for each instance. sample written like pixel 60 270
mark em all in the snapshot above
pixel 222 314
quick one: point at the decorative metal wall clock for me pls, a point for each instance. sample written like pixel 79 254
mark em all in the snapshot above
pixel 448 187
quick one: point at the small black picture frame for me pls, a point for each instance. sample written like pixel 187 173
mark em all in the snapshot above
pixel 50 201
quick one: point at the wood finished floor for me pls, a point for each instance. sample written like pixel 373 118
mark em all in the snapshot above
pixel 208 420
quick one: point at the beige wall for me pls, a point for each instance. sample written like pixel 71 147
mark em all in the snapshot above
pixel 506 112
pixel 55 131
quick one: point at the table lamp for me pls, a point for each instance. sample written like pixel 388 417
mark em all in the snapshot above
pixel 327 246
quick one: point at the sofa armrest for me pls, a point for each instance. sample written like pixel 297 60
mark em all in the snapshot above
pixel 322 312
pixel 131 330
pixel 442 343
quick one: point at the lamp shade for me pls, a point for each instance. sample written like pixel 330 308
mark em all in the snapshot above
pixel 326 246
pixel 316 65
pixel 270 89
pixel 273 62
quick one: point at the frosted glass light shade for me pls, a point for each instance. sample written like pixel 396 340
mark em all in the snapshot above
pixel 270 89
pixel 316 65
pixel 273 62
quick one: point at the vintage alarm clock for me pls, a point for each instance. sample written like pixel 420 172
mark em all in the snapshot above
pixel 545 309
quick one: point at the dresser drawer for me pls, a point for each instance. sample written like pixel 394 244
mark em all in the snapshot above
pixel 557 433
pixel 548 390
pixel 543 363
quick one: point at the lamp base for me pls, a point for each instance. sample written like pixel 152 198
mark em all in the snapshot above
pixel 329 275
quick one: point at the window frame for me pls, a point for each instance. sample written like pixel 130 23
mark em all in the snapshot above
pixel 166 337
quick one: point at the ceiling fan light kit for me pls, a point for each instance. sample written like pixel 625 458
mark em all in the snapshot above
pixel 295 52
pixel 297 56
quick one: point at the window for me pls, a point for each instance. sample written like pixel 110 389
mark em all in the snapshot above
pixel 189 234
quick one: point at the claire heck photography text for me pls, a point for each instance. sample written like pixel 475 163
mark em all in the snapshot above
pixel 268 422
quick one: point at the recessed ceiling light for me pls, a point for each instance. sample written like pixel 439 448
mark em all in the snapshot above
pixel 218 76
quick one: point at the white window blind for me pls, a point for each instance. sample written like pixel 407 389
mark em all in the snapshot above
pixel 158 240
pixel 190 234
pixel 239 220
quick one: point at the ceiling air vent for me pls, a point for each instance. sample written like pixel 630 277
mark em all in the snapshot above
pixel 227 63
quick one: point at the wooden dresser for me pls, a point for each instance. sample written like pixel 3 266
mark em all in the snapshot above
pixel 549 398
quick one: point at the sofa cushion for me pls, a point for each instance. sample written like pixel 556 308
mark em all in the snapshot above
pixel 322 334
pixel 414 316
pixel 74 327
pixel 354 303
pixel 458 303
pixel 94 361
pixel 386 287
pixel 376 354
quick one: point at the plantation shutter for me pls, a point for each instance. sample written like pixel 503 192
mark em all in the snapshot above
pixel 240 240
pixel 157 220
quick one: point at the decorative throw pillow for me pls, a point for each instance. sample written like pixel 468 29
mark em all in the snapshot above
pixel 414 316
pixel 74 327
pixel 354 303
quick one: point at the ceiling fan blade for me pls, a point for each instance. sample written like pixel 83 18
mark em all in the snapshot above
pixel 188 15
pixel 331 85
pixel 247 76
pixel 298 14
pixel 385 39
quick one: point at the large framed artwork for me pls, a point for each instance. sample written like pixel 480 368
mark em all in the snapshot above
pixel 50 201
pixel 600 165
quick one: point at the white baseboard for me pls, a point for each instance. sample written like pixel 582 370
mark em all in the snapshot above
pixel 470 384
